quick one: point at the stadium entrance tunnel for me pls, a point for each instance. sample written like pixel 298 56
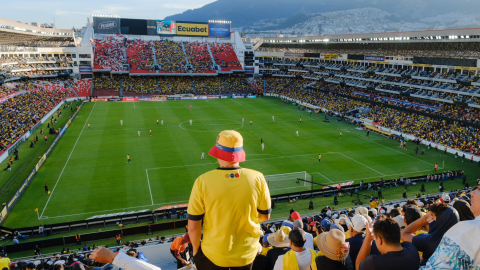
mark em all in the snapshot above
pixel 210 125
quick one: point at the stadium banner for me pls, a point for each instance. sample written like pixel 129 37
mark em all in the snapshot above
pixel 162 98
pixel 166 27
pixel 130 99
pixel 192 29
pixel 293 55
pixel 3 214
pixel 40 162
pixel 63 130
pixel 99 99
pixel 168 207
pixel 251 96
pixel 374 58
pixel 219 30
pixel 151 28
pixel 106 25
pixel 226 96
pixel 85 69
pixel 145 99
pixel 345 184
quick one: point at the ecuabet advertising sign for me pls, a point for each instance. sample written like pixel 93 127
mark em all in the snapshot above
pixel 219 30
pixel 192 29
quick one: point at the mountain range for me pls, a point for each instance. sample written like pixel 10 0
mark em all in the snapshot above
pixel 246 12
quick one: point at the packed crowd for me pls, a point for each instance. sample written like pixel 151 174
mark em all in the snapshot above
pixel 140 55
pixel 170 56
pixel 198 56
pixel 209 85
pixel 82 86
pixel 4 91
pixel 110 55
pixel 21 112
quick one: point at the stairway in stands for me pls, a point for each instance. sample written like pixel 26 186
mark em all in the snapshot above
pixel 211 56
pixel 71 87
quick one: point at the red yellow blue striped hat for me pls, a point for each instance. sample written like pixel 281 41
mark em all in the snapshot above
pixel 229 147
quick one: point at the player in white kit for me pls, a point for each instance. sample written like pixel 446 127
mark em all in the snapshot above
pixel 203 155
pixel 273 118
pixel 139 133
pixel 162 122
pixel 263 146
pixel 121 123
pixel 297 133
pixel 190 122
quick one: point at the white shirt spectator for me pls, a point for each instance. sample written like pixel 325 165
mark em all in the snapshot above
pixel 304 259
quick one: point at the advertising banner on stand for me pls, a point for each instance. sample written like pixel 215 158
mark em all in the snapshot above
pixel 192 29
pixel 105 25
pixel 166 27
pixel 219 30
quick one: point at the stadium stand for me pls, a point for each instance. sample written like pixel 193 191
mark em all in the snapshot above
pixel 140 56
pixel 106 86
pixel 170 56
pixel 81 86
pixel 110 55
pixel 225 56
pixel 199 57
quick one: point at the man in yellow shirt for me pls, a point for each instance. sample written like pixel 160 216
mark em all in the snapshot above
pixel 4 261
pixel 231 201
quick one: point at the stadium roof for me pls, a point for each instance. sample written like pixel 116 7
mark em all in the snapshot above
pixel 448 35
pixel 17 33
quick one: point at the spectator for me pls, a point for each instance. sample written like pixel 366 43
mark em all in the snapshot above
pixel 297 257
pixel 357 226
pixel 444 218
pixel 224 245
pixel 297 224
pixel 463 209
pixel 121 260
pixel 460 248
pixel 280 245
pixel 4 261
pixel 334 251
pixel 394 255
pixel 289 222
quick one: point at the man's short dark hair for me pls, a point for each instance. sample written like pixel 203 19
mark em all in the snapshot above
pixel 388 229
pixel 438 208
pixel 394 212
pixel 412 213
pixel 298 238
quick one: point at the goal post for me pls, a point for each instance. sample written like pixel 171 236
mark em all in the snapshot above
pixel 289 182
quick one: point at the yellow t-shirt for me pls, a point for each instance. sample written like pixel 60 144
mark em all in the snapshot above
pixel 229 201
pixel 4 262
pixel 373 204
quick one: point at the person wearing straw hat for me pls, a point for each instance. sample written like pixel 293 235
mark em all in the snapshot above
pixel 231 201
pixel 298 257
pixel 280 245
pixel 335 251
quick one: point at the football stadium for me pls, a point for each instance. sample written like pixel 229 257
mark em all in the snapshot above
pixel 136 142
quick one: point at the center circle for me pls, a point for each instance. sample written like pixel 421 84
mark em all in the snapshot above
pixel 210 125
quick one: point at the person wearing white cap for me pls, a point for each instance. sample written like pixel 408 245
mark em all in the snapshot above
pixel 357 226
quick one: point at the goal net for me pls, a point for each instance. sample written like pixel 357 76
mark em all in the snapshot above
pixel 289 182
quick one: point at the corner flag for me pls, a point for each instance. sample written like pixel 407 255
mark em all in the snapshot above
pixel 36 209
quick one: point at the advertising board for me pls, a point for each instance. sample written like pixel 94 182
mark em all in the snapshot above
pixel 105 25
pixel 219 30
pixel 166 27
pixel 374 58
pixel 192 29
pixel 85 69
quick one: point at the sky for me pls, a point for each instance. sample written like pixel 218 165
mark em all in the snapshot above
pixel 70 14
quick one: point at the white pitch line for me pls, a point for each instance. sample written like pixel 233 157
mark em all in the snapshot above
pixel 324 177
pixel 237 102
pixel 61 173
pixel 149 188
pixel 362 164
pixel 358 136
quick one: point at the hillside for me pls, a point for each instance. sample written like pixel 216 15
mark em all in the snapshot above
pixel 246 12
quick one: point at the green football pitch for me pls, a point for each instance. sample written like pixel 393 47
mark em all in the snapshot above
pixel 88 173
